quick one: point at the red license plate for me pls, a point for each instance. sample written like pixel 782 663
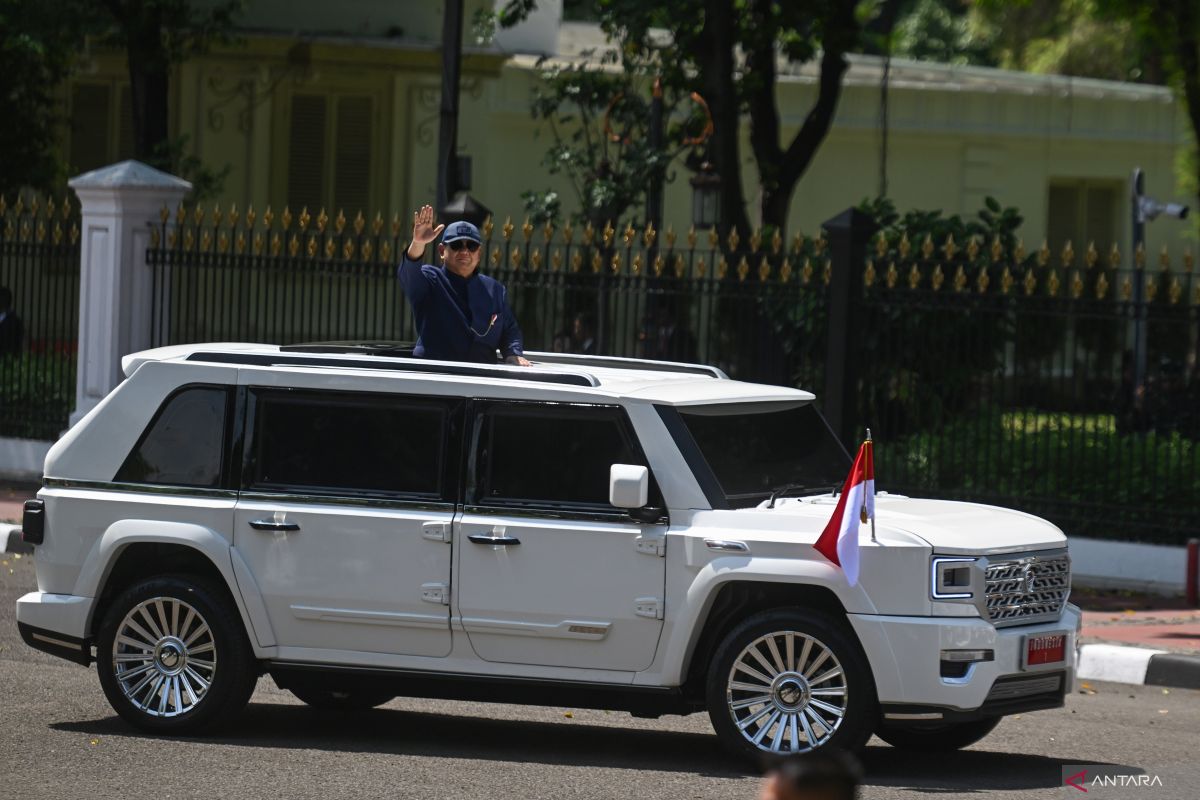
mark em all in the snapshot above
pixel 1049 649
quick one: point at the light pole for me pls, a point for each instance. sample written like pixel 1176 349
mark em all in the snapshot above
pixel 1143 209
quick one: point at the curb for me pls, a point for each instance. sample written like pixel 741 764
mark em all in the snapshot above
pixel 1138 665
pixel 10 537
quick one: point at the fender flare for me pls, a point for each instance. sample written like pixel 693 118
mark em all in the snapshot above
pixel 207 542
pixel 697 603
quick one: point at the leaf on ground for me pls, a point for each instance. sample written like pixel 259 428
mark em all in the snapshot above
pixel 569 715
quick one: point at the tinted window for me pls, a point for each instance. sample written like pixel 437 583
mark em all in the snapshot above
pixel 183 444
pixel 339 442
pixel 552 454
pixel 753 448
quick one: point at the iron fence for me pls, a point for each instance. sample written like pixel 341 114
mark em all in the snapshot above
pixel 39 266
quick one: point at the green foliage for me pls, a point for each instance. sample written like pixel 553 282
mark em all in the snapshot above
pixel 36 54
pixel 37 393
pixel 1027 457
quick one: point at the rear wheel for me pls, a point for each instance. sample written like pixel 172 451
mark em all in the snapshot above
pixel 327 698
pixel 790 681
pixel 173 657
pixel 951 736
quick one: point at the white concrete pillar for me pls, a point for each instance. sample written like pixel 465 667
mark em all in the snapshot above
pixel 119 205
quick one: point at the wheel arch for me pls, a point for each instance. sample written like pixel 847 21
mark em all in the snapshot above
pixel 130 550
pixel 735 601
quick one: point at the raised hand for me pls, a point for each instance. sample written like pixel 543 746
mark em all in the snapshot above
pixel 424 231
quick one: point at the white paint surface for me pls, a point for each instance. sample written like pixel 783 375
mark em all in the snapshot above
pixel 1128 565
pixel 1117 663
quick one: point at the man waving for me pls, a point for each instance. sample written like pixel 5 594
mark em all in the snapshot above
pixel 460 314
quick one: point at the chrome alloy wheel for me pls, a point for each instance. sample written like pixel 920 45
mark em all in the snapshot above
pixel 164 657
pixel 786 692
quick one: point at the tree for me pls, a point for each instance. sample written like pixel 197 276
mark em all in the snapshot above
pixel 36 53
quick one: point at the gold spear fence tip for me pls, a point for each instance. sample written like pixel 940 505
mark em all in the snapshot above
pixel 607 233
pixel 547 232
pixel 949 249
pixel 743 269
pixel 164 214
pixel 776 242
pixel 1068 255
pixel 1043 254
pixel 527 229
pixel 507 229
pixel 397 226
pixel 233 216
pixel 1188 260
pixel 1139 255
pixel 973 248
pixel 629 233
pixel 648 235
pixel 797 242
pixel 755 240
pixel 322 220
pixel 359 224
pixel 339 223
pixel 1164 259
pixel 568 233
pixel 691 237
pixel 377 224
pixel 1091 255
pixel 881 245
pixel 1114 256
pixel 997 249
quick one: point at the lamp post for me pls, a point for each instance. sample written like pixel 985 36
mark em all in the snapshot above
pixel 1144 209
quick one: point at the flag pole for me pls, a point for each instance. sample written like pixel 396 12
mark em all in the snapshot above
pixel 864 499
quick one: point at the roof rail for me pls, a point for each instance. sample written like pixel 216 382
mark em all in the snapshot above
pixel 396 365
pixel 617 362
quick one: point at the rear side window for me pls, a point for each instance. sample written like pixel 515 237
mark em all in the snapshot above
pixel 551 455
pixel 343 443
pixel 184 443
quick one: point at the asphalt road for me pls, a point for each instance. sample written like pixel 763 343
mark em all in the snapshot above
pixel 59 739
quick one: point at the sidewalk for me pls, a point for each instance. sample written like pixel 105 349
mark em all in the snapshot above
pixel 1127 637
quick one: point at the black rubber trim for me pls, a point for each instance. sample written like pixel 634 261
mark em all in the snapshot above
pixel 692 455
pixel 413 365
pixel 991 708
pixel 1174 669
pixel 57 644
pixel 650 701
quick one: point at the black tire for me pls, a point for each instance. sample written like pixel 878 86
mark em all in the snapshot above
pixel 207 676
pixel 329 698
pixel 787 694
pixel 951 736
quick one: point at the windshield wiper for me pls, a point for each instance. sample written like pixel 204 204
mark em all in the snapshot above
pixel 790 488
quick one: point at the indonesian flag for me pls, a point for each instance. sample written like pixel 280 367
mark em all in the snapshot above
pixel 856 504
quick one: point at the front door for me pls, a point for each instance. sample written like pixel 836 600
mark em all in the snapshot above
pixel 345 518
pixel 548 572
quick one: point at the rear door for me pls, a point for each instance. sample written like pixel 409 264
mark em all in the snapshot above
pixel 548 572
pixel 345 517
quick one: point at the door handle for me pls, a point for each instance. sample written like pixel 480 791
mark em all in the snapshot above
pixel 488 538
pixel 272 525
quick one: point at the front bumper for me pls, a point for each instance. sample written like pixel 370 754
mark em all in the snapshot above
pixel 905 658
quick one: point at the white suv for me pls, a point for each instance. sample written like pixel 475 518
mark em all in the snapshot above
pixel 588 532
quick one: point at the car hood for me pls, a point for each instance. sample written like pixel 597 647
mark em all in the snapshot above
pixel 948 526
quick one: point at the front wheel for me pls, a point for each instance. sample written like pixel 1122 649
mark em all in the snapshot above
pixel 173 657
pixel 951 736
pixel 790 681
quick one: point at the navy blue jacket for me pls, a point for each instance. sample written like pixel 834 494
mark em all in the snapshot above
pixel 459 319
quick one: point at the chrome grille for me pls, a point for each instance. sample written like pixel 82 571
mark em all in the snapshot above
pixel 1028 589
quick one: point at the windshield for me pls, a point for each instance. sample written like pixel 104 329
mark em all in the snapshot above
pixel 754 449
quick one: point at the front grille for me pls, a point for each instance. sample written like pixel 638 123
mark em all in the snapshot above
pixel 1028 589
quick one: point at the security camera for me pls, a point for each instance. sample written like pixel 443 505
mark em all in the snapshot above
pixel 1151 209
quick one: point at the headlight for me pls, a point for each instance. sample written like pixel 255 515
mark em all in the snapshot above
pixel 952 578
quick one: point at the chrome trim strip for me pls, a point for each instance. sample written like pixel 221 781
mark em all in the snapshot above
pixel 726 545
pixel 344 500
pixel 928 715
pixel 361 617
pixel 619 517
pixel 587 630
pixel 56 642
pixel 136 488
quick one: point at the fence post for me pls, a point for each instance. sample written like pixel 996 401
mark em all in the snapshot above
pixel 119 203
pixel 849 232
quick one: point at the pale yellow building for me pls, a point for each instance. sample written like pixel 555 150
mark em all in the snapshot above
pixel 336 105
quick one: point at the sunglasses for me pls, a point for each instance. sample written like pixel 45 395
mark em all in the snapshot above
pixel 463 244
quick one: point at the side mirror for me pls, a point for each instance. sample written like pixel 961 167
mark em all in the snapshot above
pixel 628 485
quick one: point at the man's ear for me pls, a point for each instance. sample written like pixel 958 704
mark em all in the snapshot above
pixel 441 251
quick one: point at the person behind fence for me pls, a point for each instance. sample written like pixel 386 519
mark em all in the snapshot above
pixel 579 338
pixel 11 331
pixel 832 775
pixel 460 315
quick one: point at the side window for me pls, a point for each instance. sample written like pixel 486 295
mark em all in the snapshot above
pixel 344 443
pixel 558 455
pixel 183 444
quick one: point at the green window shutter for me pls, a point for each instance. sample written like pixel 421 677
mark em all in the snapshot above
pixel 306 153
pixel 89 127
pixel 352 157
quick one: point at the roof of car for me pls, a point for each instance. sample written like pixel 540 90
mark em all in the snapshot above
pixel 674 383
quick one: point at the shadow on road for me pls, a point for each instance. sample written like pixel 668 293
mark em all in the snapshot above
pixel 416 733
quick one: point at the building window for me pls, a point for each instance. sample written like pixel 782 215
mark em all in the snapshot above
pixel 101 125
pixel 330 153
pixel 1084 211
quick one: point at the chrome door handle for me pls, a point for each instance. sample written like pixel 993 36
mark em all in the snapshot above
pixel 488 538
pixel 272 525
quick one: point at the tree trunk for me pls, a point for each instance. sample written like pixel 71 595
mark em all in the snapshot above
pixel 1187 54
pixel 717 77
pixel 149 85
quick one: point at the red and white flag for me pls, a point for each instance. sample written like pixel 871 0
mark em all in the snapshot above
pixel 856 505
